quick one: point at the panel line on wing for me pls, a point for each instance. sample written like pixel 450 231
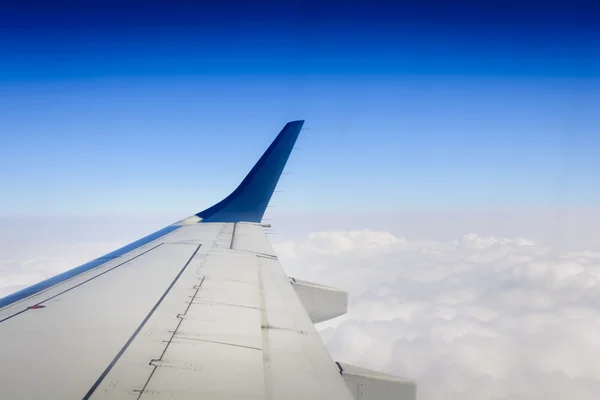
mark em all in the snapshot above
pixel 222 303
pixel 155 363
pixel 258 254
pixel 264 334
pixel 216 342
pixel 139 328
pixel 232 235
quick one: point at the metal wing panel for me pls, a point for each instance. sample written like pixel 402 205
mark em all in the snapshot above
pixel 299 364
pixel 296 363
pixel 185 316
pixel 240 333
pixel 207 339
pixel 65 346
pixel 181 317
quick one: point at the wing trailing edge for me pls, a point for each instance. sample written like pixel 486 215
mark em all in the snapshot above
pixel 248 202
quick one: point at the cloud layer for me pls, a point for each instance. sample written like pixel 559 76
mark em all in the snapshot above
pixel 473 318
pixel 478 317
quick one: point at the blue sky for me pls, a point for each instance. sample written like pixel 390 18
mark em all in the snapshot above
pixel 114 110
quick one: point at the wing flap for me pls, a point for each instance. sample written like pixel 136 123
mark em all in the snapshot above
pixel 241 322
pixel 196 369
pixel 321 302
pixel 372 385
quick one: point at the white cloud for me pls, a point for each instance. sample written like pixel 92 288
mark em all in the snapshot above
pixel 365 241
pixel 473 318
pixel 476 317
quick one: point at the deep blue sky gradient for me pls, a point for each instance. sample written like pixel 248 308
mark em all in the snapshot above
pixel 152 107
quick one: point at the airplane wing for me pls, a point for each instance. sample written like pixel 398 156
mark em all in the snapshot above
pixel 199 309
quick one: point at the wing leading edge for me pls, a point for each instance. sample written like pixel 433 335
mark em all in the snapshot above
pixel 199 309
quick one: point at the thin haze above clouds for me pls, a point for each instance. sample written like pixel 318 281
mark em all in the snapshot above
pixel 472 317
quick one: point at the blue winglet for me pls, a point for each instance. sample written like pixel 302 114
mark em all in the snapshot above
pixel 249 201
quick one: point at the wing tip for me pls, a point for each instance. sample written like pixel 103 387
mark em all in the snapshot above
pixel 248 202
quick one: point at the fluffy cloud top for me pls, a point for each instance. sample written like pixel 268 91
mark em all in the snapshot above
pixel 478 317
pixel 473 318
pixel 361 242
